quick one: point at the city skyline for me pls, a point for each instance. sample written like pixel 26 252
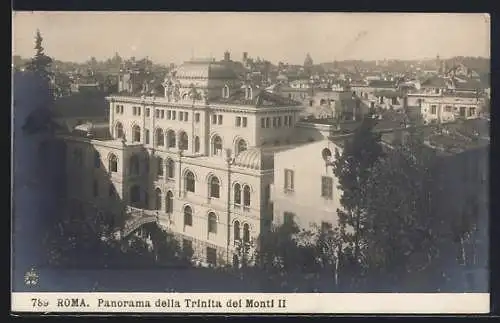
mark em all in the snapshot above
pixel 70 36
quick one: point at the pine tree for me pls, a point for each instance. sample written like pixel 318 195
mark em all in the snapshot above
pixel 40 63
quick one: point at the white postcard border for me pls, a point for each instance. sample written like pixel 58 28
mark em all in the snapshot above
pixel 294 303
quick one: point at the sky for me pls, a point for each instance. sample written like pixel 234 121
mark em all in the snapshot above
pixel 178 36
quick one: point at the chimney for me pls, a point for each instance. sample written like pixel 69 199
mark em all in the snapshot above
pixel 227 56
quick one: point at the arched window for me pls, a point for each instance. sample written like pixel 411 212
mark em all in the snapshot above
pixel 135 195
pixel 190 182
pixel 237 235
pixel 196 144
pixel 136 133
pixel 216 146
pixel 225 92
pixel 159 139
pixel 212 222
pixel 241 146
pixel 246 195
pixel 188 216
pixel 183 141
pixel 157 199
pixel 159 166
pixel 97 159
pixel 113 163
pixel 214 187
pixel 169 202
pixel 237 194
pixel 170 168
pixel 134 165
pixel 119 130
pixel 170 139
pixel 246 232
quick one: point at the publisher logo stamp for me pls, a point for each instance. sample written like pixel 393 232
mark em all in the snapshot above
pixel 31 278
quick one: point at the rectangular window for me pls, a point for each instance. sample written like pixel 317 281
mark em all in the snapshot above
pixel 173 115
pixel 157 113
pixel 186 116
pixel 214 119
pixel 117 109
pixel 147 112
pixel 138 111
pixel 285 121
pixel 220 119
pixel 447 109
pixel 212 256
pixel 262 122
pixel 146 136
pixel 238 121
pixel 274 122
pixel 472 112
pixel 290 122
pixel 181 116
pixel 327 187
pixel 245 122
pixel 288 180
pixel 169 115
pixel 268 122
pixel 288 218
pixel 134 111
pixel 279 122
pixel 162 114
pixel 197 117
pixel 433 109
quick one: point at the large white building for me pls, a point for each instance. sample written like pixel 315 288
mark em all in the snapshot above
pixel 193 160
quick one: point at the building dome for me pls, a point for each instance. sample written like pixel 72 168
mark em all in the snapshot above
pixel 205 70
pixel 254 159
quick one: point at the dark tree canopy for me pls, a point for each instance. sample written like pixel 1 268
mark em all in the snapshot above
pixel 40 63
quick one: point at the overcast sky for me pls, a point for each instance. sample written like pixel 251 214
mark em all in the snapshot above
pixel 176 37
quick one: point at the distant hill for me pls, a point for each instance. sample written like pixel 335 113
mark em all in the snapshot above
pixel 480 64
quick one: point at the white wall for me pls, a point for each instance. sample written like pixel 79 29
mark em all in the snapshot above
pixel 305 201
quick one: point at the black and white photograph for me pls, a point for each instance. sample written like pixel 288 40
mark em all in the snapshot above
pixel 190 157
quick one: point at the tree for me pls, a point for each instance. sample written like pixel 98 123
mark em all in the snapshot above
pixel 165 248
pixel 40 63
pixel 353 168
pixel 398 228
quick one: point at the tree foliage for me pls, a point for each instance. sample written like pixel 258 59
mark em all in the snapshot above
pixel 40 63
pixel 353 168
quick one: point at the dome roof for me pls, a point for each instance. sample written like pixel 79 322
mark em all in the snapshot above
pixel 254 159
pixel 205 70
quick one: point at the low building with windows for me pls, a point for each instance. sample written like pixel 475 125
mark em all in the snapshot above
pixel 448 108
pixel 194 160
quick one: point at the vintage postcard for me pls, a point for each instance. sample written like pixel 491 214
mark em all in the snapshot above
pixel 171 162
